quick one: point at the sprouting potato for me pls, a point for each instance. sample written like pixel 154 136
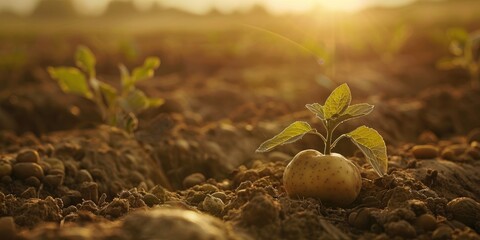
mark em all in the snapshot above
pixel 333 179
pixel 330 177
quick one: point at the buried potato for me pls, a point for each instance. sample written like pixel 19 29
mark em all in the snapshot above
pixel 330 177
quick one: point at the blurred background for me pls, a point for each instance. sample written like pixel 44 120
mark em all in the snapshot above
pixel 226 60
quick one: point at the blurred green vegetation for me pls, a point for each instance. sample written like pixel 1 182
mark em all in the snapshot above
pixel 350 45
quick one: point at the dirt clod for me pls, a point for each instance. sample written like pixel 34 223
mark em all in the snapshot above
pixel 260 210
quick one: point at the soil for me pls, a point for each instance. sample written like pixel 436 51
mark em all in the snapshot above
pixel 190 170
pixel 103 183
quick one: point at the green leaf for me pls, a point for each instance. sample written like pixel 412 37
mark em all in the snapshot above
pixel 317 109
pixel 371 143
pixel 135 101
pixel 355 111
pixel 459 34
pixel 155 102
pixel 145 71
pixel 125 77
pixel 456 48
pixel 337 102
pixel 109 93
pixel 290 134
pixel 71 80
pixel 85 60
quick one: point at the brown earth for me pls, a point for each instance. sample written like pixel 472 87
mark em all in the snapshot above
pixel 191 172
pixel 105 184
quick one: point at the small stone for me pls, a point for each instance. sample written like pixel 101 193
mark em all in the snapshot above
pixel 220 195
pixel 206 188
pixel 400 228
pixel 426 222
pixel 442 233
pixel 418 207
pixel 47 149
pixel 24 170
pixel 448 154
pixel 151 200
pixel 84 176
pixel 361 219
pixel 427 137
pixel 213 205
pixel 5 168
pixel 7 228
pixel 453 152
pixel 183 145
pixel 55 164
pixel 53 180
pixel 32 181
pixel 159 192
pixel 193 179
pixel 28 155
pixel 425 151
pixel 465 210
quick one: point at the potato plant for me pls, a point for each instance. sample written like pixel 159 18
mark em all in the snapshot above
pixel 117 107
pixel 327 176
pixel 465 48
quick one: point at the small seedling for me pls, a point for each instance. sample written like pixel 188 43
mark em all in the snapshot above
pixel 465 48
pixel 117 107
pixel 330 177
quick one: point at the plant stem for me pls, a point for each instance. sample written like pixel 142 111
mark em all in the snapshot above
pixel 328 142
pixel 320 135
pixel 97 95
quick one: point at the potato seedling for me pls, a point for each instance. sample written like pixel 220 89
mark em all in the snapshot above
pixel 117 107
pixel 330 177
pixel 465 48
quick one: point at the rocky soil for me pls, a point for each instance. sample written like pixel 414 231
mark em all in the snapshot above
pixel 184 182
